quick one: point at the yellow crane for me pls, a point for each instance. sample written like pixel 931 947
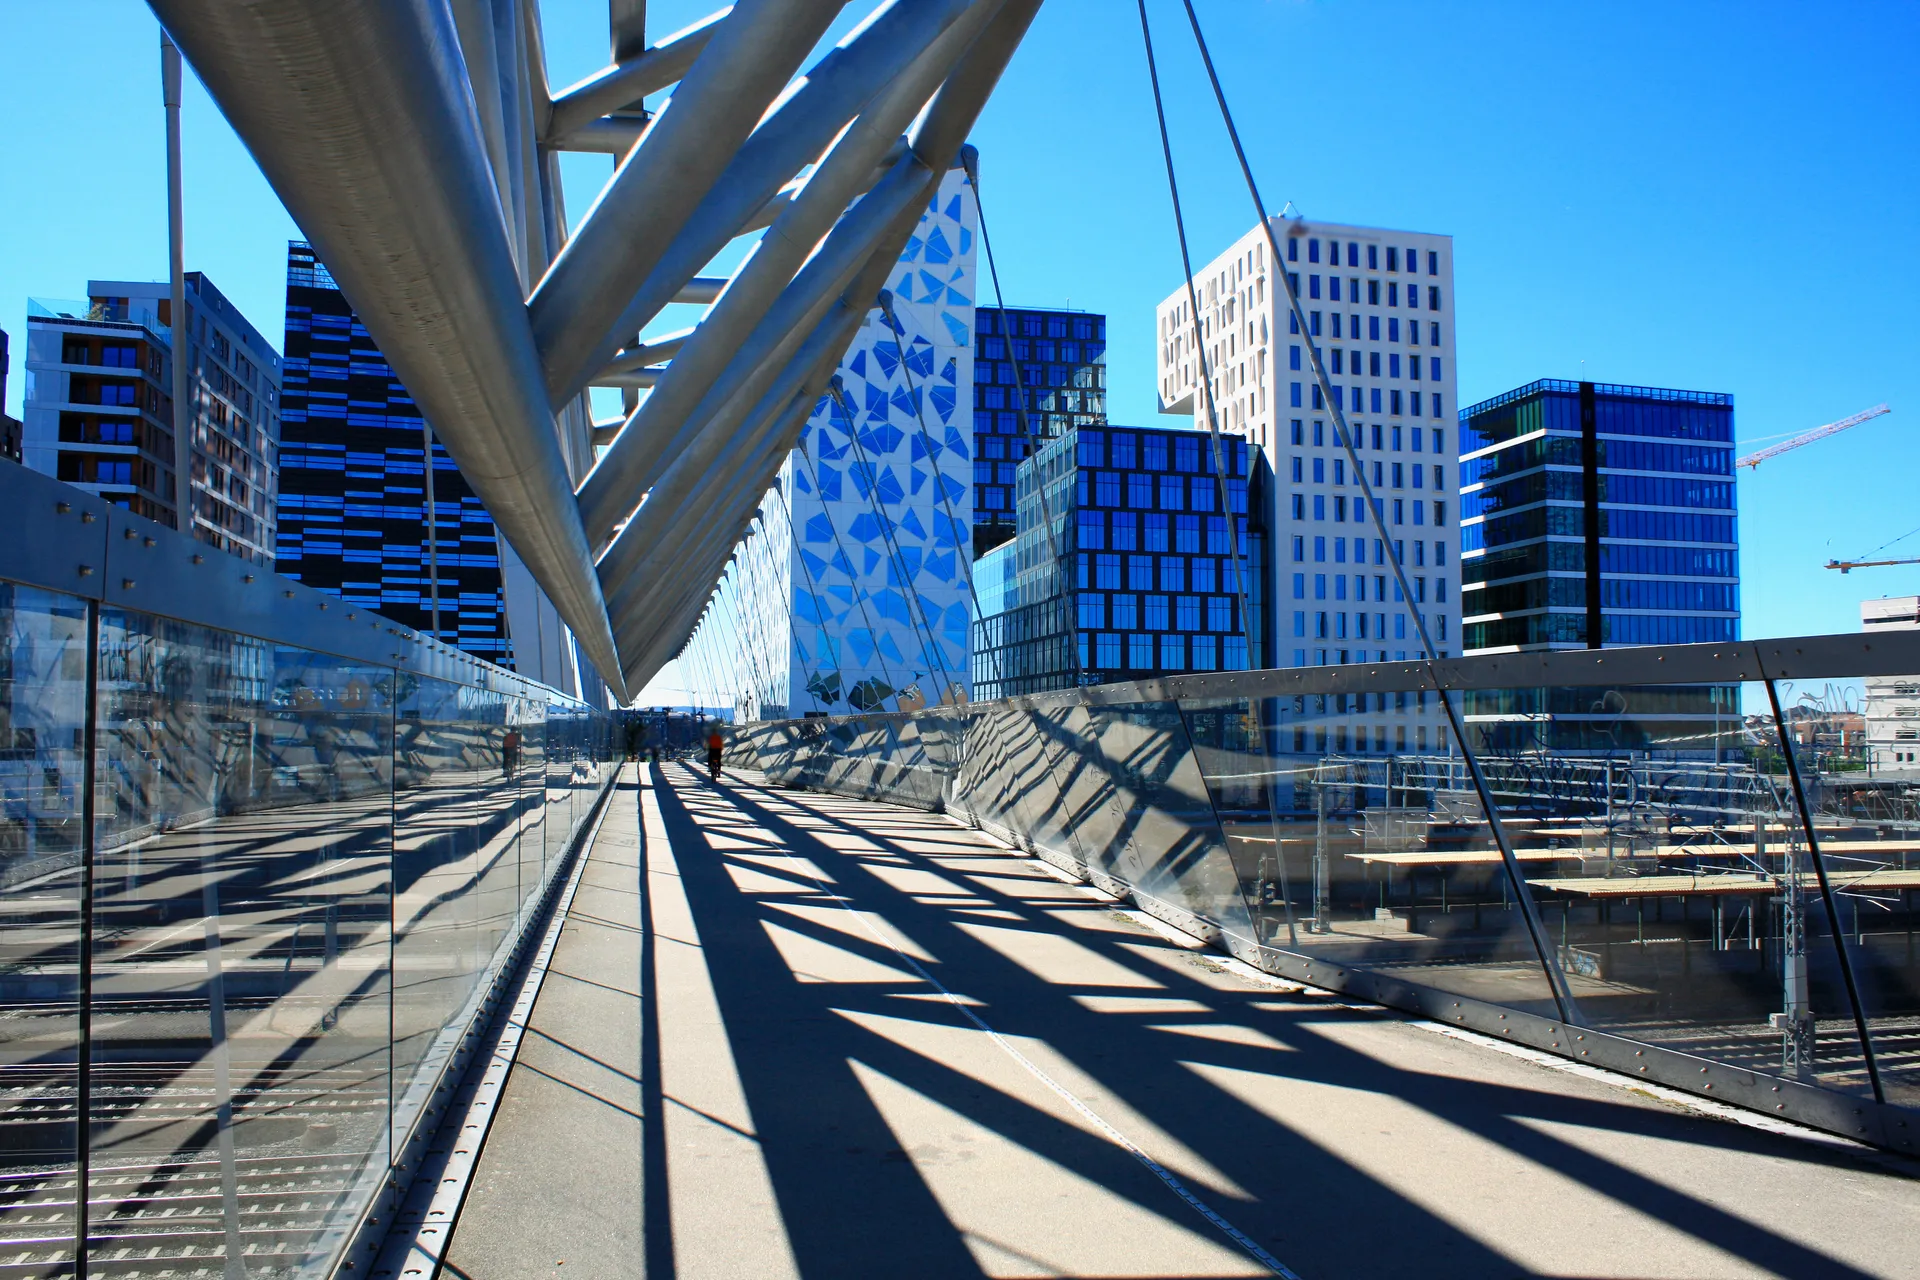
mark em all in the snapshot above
pixel 1753 460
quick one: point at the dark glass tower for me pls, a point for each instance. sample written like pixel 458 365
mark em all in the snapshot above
pixel 352 494
pixel 1595 516
pixel 1063 370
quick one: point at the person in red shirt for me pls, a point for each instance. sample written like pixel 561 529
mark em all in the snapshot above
pixel 715 745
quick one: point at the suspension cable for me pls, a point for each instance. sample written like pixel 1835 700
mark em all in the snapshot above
pixel 1241 568
pixel 1069 592
pixel 1529 910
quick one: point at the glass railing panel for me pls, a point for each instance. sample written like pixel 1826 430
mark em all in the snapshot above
pixel 1165 840
pixel 447 772
pixel 495 816
pixel 1857 742
pixel 1660 839
pixel 1357 835
pixel 240 1057
pixel 525 718
pixel 43 713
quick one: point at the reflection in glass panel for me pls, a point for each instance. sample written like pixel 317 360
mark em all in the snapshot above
pixel 1377 853
pixel 1659 834
pixel 240 1061
pixel 1858 746
pixel 43 704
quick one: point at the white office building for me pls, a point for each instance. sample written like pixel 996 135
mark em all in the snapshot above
pixel 1379 307
pixel 1892 709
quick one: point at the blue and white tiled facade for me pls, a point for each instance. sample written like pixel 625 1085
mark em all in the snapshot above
pixel 868 581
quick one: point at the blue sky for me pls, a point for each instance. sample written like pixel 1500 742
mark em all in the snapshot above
pixel 1711 196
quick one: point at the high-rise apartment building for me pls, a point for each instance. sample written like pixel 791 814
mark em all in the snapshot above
pixel 353 503
pixel 1138 516
pixel 1598 515
pixel 1379 307
pixel 99 412
pixel 1059 359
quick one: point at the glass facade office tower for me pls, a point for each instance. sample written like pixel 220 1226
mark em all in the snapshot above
pixel 1598 515
pixel 1062 367
pixel 353 494
pixel 1594 516
pixel 99 411
pixel 1138 516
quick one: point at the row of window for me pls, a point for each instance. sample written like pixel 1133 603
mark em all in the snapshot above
pixel 1615 557
pixel 1341 625
pixel 1336 363
pixel 1154 531
pixel 1558 411
pixel 1360 551
pixel 1047 351
pixel 1615 522
pixel 1382 584
pixel 1372 251
pixel 1352 329
pixel 1566 486
pixel 1041 324
pixel 1035 377
pixel 1397 471
pixel 1617 455
pixel 1170 651
pixel 112 355
pixel 1390 402
pixel 1618 628
pixel 1157 573
pixel 1132 612
pixel 1188 451
pixel 1394 510
pixel 1391 434
pixel 1173 492
pixel 1393 294
pixel 1615 593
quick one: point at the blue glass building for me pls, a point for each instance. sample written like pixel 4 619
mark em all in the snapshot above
pixel 1596 516
pixel 352 488
pixel 1062 357
pixel 1137 515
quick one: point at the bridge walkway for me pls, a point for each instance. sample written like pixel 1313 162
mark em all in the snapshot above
pixel 789 1034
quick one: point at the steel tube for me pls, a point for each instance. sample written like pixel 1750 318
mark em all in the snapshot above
pixel 836 88
pixel 747 61
pixel 359 114
pixel 628 82
pixel 183 396
pixel 652 436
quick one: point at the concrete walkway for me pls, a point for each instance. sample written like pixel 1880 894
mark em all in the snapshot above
pixel 788 1034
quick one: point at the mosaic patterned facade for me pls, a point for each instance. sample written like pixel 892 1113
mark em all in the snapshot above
pixel 858 567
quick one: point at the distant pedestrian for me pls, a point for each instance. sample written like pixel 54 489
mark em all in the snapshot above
pixel 715 745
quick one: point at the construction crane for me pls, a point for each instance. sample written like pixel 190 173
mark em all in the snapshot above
pixel 1848 566
pixel 1818 433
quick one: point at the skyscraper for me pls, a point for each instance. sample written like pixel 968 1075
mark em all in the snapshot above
pixel 100 408
pixel 1598 515
pixel 1379 307
pixel 1059 359
pixel 353 505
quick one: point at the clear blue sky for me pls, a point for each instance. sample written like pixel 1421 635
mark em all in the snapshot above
pixel 1718 196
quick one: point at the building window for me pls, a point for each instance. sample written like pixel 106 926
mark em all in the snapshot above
pixel 1140 573
pixel 1296 401
pixel 1126 611
pixel 1299 549
pixel 1140 651
pixel 1319 506
pixel 1204 653
pixel 1319 550
pixel 1300 623
pixel 1156 613
pixel 1297 431
pixel 1433 297
pixel 1107 650
pixel 1173 652
pixel 1299 507
pixel 1293 356
pixel 1433 263
pixel 1293 249
pixel 1433 365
